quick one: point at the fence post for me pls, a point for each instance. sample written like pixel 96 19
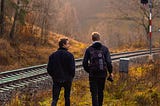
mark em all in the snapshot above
pixel 123 68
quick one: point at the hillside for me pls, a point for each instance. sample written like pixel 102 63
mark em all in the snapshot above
pixel 28 52
pixel 117 21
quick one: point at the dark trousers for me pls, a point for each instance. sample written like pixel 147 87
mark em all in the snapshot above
pixel 56 91
pixel 96 89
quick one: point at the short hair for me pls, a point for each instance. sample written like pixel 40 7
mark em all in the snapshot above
pixel 62 42
pixel 95 36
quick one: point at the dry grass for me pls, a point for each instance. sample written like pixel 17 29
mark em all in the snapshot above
pixel 27 50
pixel 80 96
pixel 138 90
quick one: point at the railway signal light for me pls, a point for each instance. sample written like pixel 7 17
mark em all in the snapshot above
pixel 144 2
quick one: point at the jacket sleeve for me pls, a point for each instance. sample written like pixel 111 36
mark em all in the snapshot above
pixel 108 60
pixel 85 61
pixel 72 65
pixel 50 66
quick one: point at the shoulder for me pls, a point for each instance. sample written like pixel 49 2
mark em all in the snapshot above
pixel 89 48
pixel 104 48
pixel 51 55
pixel 69 54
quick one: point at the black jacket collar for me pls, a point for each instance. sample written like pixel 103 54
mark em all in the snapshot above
pixel 96 45
pixel 62 48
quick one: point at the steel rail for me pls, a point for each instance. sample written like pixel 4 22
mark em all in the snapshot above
pixel 17 78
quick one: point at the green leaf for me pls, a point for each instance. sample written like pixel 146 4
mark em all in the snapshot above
pixel 13 4
pixel 21 16
pixel 25 1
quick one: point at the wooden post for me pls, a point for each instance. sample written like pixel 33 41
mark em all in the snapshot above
pixel 123 68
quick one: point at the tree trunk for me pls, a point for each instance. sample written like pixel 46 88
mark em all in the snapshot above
pixel 14 23
pixel 2 18
pixel 13 26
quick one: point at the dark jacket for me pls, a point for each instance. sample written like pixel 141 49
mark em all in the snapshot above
pixel 97 45
pixel 61 65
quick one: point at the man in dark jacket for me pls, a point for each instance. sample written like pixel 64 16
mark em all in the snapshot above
pixel 61 67
pixel 97 78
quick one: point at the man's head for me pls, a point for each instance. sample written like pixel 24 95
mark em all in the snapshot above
pixel 64 43
pixel 95 36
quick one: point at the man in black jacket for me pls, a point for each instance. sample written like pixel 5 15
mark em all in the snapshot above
pixel 97 77
pixel 61 67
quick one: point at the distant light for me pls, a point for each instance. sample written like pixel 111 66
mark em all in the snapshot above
pixel 144 2
pixel 159 30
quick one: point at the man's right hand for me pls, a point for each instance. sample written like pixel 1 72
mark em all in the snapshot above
pixel 110 78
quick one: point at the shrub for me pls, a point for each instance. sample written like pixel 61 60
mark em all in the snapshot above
pixel 143 100
pixel 6 52
pixel 149 98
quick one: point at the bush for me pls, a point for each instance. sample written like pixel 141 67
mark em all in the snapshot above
pixel 150 98
pixel 143 100
pixel 6 52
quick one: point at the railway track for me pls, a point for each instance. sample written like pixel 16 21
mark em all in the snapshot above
pixel 14 79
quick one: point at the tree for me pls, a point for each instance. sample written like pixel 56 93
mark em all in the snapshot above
pixel 14 22
pixel 44 20
pixel 2 17
pixel 141 13
pixel 41 17
pixel 67 20
pixel 19 15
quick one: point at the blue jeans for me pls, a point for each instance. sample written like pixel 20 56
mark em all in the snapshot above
pixel 56 91
pixel 96 89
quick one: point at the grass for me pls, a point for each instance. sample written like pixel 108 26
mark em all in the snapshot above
pixel 28 51
pixel 137 90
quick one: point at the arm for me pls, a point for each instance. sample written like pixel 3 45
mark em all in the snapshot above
pixel 72 65
pixel 108 61
pixel 50 66
pixel 85 61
